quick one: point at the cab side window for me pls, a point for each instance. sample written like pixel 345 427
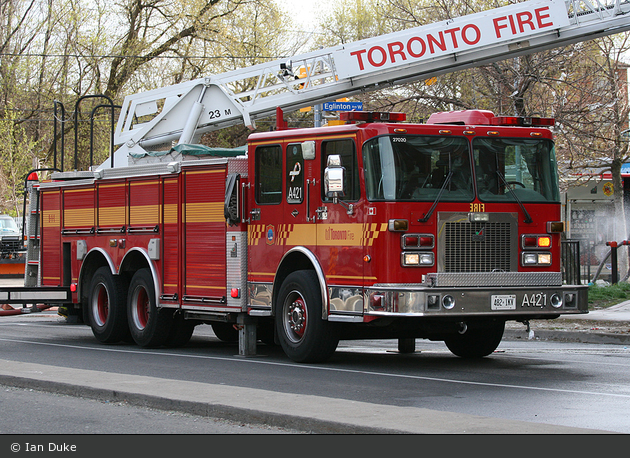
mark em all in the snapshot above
pixel 348 153
pixel 269 174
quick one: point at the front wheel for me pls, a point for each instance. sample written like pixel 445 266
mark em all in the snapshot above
pixel 478 341
pixel 149 326
pixel 303 334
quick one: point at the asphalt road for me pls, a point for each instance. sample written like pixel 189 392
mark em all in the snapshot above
pixel 526 386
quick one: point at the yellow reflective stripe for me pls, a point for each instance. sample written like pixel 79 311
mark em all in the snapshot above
pixel 205 212
pixel 111 216
pixel 144 214
pixel 51 218
pixel 78 217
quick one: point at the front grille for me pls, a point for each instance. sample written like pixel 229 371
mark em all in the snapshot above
pixel 477 247
pixel 11 245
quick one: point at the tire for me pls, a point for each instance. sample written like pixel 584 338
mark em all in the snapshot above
pixel 106 312
pixel 304 336
pixel 225 332
pixel 181 331
pixel 476 342
pixel 149 326
pixel 265 332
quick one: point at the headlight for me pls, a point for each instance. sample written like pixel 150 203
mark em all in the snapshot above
pixel 417 259
pixel 536 259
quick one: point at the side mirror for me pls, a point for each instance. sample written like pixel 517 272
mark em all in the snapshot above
pixel 334 177
pixel 231 205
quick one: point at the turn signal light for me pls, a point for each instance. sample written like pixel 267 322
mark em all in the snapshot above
pixel 398 225
pixel 555 226
pixel 536 241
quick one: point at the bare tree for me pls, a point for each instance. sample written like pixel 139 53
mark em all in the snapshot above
pixel 156 28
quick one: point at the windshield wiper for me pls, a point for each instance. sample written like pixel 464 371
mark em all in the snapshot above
pixel 528 219
pixel 437 199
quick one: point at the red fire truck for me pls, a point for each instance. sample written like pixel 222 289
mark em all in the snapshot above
pixel 373 228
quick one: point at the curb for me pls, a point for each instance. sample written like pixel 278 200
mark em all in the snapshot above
pixel 302 425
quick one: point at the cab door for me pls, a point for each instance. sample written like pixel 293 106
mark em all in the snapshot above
pixel 340 230
pixel 266 214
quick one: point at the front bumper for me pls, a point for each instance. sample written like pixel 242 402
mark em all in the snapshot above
pixel 507 295
pixel 511 303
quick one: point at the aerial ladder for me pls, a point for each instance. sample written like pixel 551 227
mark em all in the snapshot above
pixel 183 112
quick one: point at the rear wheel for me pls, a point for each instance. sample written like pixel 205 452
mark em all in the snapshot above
pixel 181 331
pixel 149 326
pixel 303 334
pixel 106 307
pixel 225 332
pixel 478 341
pixel 265 332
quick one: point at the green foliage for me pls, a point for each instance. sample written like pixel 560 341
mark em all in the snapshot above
pixel 605 296
pixel 16 158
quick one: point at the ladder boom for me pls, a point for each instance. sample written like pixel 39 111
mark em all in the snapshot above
pixel 185 111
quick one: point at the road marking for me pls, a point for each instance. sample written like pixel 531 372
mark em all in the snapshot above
pixel 329 369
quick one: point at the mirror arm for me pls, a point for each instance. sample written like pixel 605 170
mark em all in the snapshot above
pixel 349 207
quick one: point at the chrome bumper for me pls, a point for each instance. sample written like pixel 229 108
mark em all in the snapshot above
pixel 459 301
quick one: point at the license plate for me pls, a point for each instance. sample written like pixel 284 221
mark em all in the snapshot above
pixel 503 302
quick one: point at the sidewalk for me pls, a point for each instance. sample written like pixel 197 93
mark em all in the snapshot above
pixel 619 312
pixel 606 326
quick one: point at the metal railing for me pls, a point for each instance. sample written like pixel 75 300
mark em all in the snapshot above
pixel 571 262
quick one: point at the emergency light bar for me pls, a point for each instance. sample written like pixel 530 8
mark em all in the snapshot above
pixel 521 121
pixel 372 116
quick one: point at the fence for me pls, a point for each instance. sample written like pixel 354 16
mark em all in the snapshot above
pixel 584 262
pixel 571 262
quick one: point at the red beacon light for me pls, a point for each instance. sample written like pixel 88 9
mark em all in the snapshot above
pixel 522 121
pixel 372 116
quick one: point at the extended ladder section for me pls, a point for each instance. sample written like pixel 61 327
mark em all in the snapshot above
pixel 157 119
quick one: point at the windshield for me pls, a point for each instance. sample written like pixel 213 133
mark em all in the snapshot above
pixel 416 168
pixel 528 166
pixel 8 224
